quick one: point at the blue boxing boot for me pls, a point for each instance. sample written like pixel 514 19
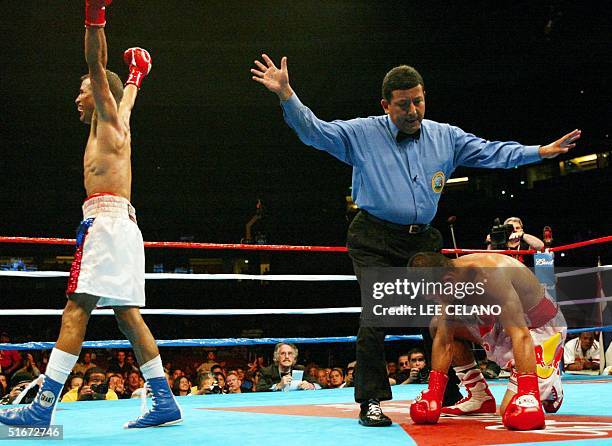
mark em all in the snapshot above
pixel 165 410
pixel 40 412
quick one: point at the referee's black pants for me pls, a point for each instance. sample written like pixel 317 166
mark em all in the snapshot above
pixel 372 242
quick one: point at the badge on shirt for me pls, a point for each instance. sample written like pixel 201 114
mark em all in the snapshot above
pixel 437 182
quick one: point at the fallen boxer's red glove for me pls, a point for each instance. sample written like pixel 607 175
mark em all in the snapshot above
pixel 426 409
pixel 524 411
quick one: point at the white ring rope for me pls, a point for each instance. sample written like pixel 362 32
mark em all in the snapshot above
pixel 187 312
pixel 238 312
pixel 186 276
pixel 264 277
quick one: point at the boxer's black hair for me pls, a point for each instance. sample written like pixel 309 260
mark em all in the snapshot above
pixel 114 83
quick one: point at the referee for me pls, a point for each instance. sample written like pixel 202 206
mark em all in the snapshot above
pixel 401 163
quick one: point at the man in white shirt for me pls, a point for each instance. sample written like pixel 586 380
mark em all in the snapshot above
pixel 582 353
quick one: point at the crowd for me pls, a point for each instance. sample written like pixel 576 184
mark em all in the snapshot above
pixel 114 374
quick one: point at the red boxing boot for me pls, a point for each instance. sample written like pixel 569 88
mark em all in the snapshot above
pixel 479 399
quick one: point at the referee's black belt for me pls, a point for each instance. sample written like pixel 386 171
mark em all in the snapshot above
pixel 411 229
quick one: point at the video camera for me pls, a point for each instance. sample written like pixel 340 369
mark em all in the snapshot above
pixel 500 234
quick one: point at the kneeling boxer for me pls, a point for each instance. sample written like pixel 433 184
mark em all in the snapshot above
pixel 528 341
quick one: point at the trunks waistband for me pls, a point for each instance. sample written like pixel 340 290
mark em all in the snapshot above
pixel 542 312
pixel 108 204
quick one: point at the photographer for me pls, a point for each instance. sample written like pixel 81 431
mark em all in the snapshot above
pixel 207 385
pixel 510 235
pixel 18 383
pixel 418 372
pixel 94 388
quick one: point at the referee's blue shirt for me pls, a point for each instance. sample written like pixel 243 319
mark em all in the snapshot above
pixel 401 182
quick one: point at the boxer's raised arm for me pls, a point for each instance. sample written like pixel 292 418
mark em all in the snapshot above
pixel 96 56
pixel 139 63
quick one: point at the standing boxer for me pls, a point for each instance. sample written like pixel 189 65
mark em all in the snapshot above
pixel 108 268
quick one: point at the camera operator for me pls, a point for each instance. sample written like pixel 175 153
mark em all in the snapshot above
pixel 510 235
pixel 207 385
pixel 18 383
pixel 414 369
pixel 94 387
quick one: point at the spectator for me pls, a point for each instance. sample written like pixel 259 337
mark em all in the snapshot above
pixel 4 386
pixel 28 365
pixel 403 368
pixel 582 353
pixel 131 362
pixel 10 360
pixel 94 388
pixel 74 381
pixel 119 365
pixel 258 363
pixel 336 378
pixel 278 375
pixel 348 378
pixel 211 360
pixel 116 383
pixel 176 373
pixel 207 385
pixel 17 385
pixel 182 386
pixel 84 365
pixel 418 372
pixel 518 239
pixel 217 369
pixel 246 383
pixel 489 368
pixel 249 384
pixel 323 378
pixel 312 370
pixel 391 369
pixel 133 383
pixel 233 383
pixel 220 378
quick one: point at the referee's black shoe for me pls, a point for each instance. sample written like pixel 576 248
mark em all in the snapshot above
pixel 371 415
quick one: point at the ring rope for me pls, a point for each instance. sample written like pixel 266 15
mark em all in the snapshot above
pixel 239 311
pixel 261 277
pixel 247 247
pixel 188 276
pixel 191 312
pixel 227 342
pixel 605 328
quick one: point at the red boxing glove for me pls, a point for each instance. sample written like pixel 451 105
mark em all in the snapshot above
pixel 139 61
pixel 95 12
pixel 524 411
pixel 426 409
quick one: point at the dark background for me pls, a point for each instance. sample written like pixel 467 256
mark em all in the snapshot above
pixel 208 141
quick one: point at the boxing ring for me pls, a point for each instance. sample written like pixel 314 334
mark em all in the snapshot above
pixel 322 417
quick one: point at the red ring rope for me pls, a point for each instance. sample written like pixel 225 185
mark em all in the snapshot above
pixel 243 247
